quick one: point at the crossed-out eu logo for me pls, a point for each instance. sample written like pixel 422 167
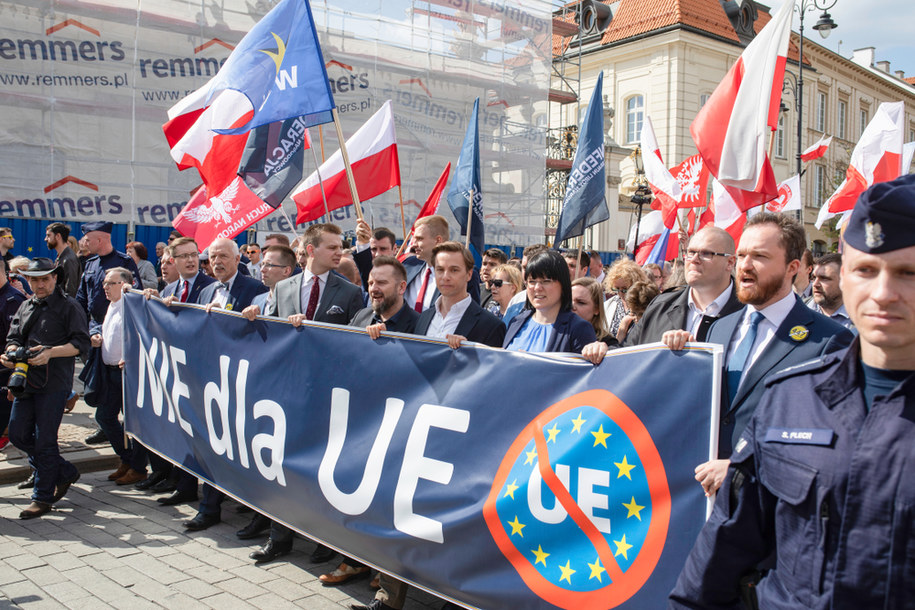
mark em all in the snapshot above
pixel 580 504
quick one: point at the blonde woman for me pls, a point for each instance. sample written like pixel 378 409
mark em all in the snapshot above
pixel 505 282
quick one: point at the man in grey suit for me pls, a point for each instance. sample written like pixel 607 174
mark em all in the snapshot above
pixel 774 331
pixel 318 293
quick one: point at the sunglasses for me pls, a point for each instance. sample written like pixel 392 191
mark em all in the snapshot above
pixel 497 283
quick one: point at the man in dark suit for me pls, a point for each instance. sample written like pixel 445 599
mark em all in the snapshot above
pixel 710 294
pixel 232 291
pixel 320 294
pixel 387 309
pixel 422 291
pixel 774 331
pixel 191 280
pixel 454 315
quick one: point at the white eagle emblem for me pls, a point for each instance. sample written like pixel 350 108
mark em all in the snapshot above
pixel 220 208
pixel 873 234
pixel 688 177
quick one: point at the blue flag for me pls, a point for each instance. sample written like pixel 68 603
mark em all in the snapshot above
pixel 279 67
pixel 271 164
pixel 467 180
pixel 585 202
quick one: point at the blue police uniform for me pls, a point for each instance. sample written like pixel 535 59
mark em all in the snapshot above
pixel 91 294
pixel 825 482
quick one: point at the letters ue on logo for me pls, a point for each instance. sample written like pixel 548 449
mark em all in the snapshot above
pixel 580 504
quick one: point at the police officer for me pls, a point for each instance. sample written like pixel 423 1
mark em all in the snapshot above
pixel 10 300
pixel 91 293
pixel 52 326
pixel 820 480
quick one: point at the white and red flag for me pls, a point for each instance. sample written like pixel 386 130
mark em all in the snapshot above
pixel 728 215
pixel 789 196
pixel 665 187
pixel 373 155
pixel 226 214
pixel 876 158
pixel 732 129
pixel 650 230
pixel 817 150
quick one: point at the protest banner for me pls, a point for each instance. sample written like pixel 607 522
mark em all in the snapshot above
pixel 494 478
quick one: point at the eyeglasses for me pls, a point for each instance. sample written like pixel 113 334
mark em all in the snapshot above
pixel 545 283
pixel 704 255
pixel 272 266
pixel 620 290
pixel 111 283
pixel 188 256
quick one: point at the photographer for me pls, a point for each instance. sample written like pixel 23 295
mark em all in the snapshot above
pixel 52 329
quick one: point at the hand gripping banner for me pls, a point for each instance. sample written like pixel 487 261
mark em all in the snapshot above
pixel 493 478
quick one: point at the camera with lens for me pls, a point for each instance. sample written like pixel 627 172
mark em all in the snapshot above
pixel 20 358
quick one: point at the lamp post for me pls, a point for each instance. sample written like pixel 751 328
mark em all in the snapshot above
pixel 825 25
pixel 641 196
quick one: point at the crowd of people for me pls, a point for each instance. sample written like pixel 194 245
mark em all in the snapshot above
pixel 783 318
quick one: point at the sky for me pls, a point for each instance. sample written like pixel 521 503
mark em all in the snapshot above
pixel 885 25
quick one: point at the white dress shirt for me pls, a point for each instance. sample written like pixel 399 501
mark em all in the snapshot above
pixel 773 316
pixel 113 333
pixel 694 315
pixel 444 325
pixel 307 281
pixel 413 288
pixel 222 294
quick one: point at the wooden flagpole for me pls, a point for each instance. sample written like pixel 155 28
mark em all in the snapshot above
pixel 320 179
pixel 321 138
pixel 581 243
pixel 346 164
pixel 404 244
pixel 403 220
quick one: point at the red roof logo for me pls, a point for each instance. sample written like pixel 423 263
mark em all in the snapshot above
pixel 211 42
pixel 74 23
pixel 72 179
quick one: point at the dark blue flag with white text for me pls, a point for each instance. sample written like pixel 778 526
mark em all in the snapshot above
pixel 497 479
pixel 585 202
pixel 279 67
pixel 467 181
pixel 271 164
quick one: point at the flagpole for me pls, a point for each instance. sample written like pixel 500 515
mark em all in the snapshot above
pixel 349 168
pixel 403 220
pixel 581 243
pixel 321 138
pixel 289 220
pixel 404 244
pixel 320 179
pixel 469 219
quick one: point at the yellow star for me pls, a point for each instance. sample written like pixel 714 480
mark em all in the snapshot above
pixel 30 248
pixel 540 555
pixel 517 526
pixel 596 570
pixel 553 432
pixel 530 456
pixel 621 547
pixel 600 437
pixel 511 487
pixel 566 573
pixel 625 468
pixel 577 422
pixel 633 508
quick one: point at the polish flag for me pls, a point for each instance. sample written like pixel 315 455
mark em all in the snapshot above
pixel 817 150
pixel 730 130
pixel 665 187
pixel 651 230
pixel 193 141
pixel 376 169
pixel 789 196
pixel 728 215
pixel 226 214
pixel 876 158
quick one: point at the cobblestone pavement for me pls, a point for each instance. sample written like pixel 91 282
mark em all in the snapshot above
pixel 105 546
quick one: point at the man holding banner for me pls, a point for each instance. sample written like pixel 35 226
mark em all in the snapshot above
pixel 818 476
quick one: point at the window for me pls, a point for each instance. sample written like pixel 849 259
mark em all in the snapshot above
pixel 635 109
pixel 842 112
pixel 821 112
pixel 780 137
pixel 703 99
pixel 862 116
pixel 819 196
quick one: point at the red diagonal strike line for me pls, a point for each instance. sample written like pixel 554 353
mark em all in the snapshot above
pixel 211 42
pixel 64 24
pixel 67 179
pixel 565 498
pixel 418 81
pixel 334 62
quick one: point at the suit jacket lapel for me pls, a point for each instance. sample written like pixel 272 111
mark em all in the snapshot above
pixel 776 351
pixel 330 290
pixel 468 320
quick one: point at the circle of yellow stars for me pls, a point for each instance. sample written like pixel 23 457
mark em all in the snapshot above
pixel 624 469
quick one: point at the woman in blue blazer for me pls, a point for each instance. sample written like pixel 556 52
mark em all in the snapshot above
pixel 547 322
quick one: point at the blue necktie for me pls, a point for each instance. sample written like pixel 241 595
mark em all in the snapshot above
pixel 738 361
